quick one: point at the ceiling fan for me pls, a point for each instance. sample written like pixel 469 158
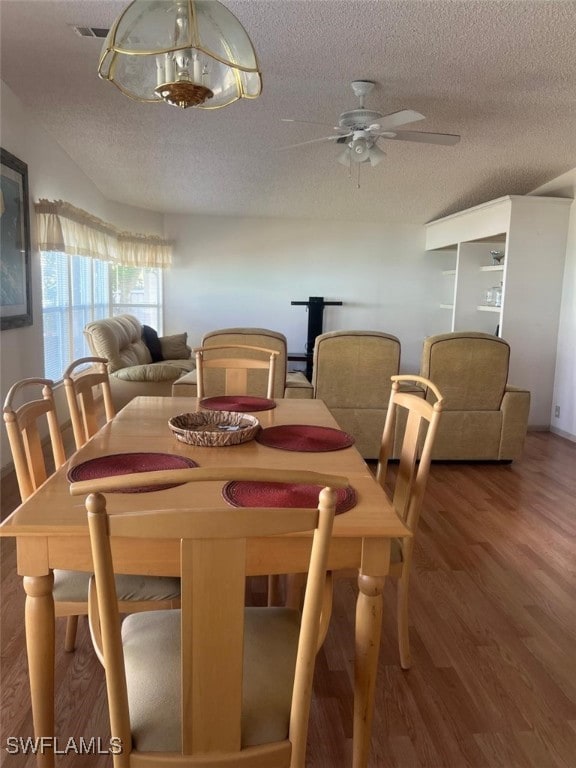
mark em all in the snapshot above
pixel 360 129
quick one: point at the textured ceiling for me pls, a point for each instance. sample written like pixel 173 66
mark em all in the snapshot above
pixel 502 74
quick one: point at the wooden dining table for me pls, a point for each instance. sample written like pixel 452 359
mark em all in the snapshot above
pixel 51 532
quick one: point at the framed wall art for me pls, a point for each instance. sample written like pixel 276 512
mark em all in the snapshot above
pixel 15 280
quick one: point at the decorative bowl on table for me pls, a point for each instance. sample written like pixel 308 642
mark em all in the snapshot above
pixel 214 428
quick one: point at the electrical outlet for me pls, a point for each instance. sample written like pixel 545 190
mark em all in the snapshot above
pixel 557 412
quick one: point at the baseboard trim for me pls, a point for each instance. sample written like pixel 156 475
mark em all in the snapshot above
pixel 561 433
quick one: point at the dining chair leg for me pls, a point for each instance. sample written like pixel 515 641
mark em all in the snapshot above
pixel 274 590
pixel 70 638
pixel 403 635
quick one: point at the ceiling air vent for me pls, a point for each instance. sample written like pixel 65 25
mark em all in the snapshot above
pixel 91 31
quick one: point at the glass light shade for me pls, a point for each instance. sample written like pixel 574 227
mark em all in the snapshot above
pixel 359 149
pixel 189 53
pixel 369 152
pixel 375 155
pixel 344 158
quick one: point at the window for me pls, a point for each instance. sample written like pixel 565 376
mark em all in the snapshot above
pixel 78 289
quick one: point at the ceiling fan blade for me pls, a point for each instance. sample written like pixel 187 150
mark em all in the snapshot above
pixel 312 141
pixel 309 122
pixel 394 119
pixel 426 138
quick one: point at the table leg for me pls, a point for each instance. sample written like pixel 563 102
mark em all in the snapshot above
pixel 369 609
pixel 40 628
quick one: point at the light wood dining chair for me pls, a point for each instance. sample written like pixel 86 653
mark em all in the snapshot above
pixel 407 484
pixel 236 361
pixel 71 588
pixel 81 384
pixel 216 684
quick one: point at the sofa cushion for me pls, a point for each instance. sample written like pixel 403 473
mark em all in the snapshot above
pixel 175 347
pixel 119 339
pixel 153 372
pixel 152 341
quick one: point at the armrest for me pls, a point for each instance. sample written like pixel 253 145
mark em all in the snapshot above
pixel 515 408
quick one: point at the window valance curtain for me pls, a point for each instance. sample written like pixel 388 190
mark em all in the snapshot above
pixel 67 229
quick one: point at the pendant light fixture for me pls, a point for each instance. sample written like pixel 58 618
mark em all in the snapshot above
pixel 188 53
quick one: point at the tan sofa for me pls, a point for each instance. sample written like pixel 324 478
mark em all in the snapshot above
pixel 484 418
pixel 351 373
pixel 132 371
pixel 286 384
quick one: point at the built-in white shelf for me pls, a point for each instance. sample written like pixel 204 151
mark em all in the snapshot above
pixel 525 227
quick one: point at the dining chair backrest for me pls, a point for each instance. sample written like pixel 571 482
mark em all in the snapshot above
pixel 24 425
pixel 409 480
pixel 422 419
pixel 254 337
pixel 84 380
pixel 236 361
pixel 217 681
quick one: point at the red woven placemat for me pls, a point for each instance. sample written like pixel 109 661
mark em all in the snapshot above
pixel 126 463
pixel 303 437
pixel 242 493
pixel 242 403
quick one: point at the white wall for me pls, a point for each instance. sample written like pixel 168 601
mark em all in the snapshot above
pixel 245 272
pixel 565 377
pixel 51 175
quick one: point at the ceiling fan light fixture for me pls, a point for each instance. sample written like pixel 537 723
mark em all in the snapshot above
pixel 344 158
pixel 375 155
pixel 359 149
pixel 188 53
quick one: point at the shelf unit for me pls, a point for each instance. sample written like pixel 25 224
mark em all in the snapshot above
pixel 532 232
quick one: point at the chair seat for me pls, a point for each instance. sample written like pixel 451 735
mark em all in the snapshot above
pixel 152 658
pixel 72 587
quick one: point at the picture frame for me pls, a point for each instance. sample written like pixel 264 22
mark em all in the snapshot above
pixel 15 256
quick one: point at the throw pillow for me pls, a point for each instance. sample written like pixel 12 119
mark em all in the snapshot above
pixel 175 347
pixel 152 341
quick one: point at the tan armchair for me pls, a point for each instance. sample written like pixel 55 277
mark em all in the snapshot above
pixel 352 371
pixel 484 418
pixel 286 384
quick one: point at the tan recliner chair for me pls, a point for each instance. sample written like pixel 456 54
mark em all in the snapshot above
pixel 351 373
pixel 285 384
pixel 484 418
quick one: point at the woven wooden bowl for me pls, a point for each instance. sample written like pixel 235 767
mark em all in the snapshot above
pixel 214 428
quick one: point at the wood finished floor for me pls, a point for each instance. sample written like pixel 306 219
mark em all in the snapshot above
pixel 493 633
